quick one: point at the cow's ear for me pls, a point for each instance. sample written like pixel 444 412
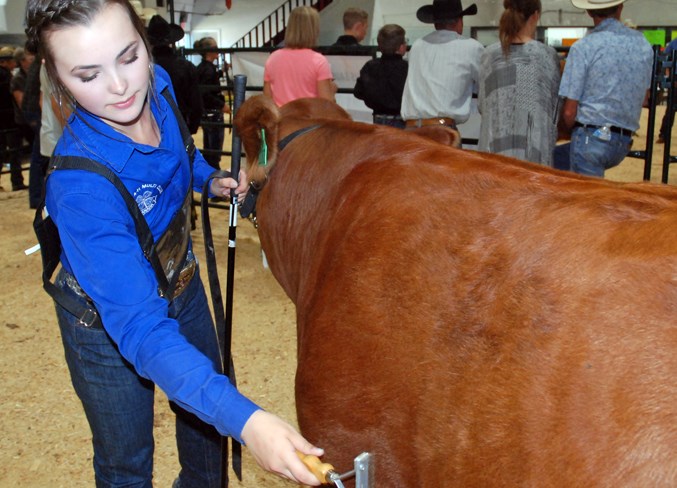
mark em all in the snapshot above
pixel 258 112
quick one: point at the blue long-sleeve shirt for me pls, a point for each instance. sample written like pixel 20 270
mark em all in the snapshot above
pixel 100 248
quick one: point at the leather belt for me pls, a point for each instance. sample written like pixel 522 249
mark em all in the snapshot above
pixel 612 128
pixel 387 117
pixel 185 276
pixel 434 121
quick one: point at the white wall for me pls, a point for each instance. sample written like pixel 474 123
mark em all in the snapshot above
pixel 12 14
pixel 234 23
pixel 3 20
pixel 555 13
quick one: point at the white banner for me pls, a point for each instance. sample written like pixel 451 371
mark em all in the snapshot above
pixel 346 69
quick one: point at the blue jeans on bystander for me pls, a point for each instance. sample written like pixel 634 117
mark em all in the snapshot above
pixel 213 137
pixel 39 163
pixel 591 155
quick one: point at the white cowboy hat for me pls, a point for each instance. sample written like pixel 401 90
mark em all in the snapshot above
pixel 595 4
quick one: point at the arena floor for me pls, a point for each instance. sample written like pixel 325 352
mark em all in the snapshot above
pixel 45 439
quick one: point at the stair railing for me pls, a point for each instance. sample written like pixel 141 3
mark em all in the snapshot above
pixel 270 31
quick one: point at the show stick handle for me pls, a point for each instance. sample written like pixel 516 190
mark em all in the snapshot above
pixel 318 468
pixel 239 91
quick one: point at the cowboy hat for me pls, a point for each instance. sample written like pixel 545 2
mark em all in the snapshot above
pixel 595 4
pixel 443 11
pixel 160 32
pixel 6 52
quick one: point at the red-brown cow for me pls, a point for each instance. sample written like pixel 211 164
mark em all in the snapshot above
pixel 472 320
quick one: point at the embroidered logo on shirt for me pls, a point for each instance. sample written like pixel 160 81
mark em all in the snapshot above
pixel 146 196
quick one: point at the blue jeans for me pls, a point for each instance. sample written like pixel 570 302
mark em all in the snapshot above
pixel 390 121
pixel 10 145
pixel 39 163
pixel 591 155
pixel 668 119
pixel 561 157
pixel 119 403
pixel 212 138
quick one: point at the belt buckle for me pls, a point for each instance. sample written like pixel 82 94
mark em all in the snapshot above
pixel 88 318
pixel 185 275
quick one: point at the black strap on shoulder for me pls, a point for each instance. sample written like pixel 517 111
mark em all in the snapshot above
pixel 185 132
pixel 143 232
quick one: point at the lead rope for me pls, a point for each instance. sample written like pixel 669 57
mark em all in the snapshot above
pixel 224 316
pixel 223 327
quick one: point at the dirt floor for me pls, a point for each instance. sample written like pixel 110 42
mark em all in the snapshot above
pixel 45 439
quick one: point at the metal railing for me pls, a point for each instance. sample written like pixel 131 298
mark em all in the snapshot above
pixel 270 31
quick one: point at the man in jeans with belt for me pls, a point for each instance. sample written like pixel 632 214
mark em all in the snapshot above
pixel 443 68
pixel 605 83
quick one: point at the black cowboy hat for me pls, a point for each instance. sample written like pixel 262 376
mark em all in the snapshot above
pixel 444 11
pixel 160 32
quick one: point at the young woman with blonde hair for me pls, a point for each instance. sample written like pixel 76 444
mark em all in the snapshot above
pixel 296 71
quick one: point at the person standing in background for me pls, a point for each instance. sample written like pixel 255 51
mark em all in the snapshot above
pixel 10 140
pixel 162 35
pixel 296 71
pixel 213 102
pixel 669 116
pixel 23 60
pixel 381 80
pixel 355 25
pixel 606 82
pixel 519 81
pixel 31 109
pixel 444 68
pixel 53 117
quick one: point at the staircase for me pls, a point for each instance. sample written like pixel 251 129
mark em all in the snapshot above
pixel 270 31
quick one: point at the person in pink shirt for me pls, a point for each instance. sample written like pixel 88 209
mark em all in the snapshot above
pixel 296 71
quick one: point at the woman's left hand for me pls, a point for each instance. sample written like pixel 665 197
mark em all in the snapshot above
pixel 221 187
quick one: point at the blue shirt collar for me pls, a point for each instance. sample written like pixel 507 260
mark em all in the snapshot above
pixel 608 24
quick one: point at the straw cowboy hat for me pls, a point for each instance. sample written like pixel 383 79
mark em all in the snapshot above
pixel 443 11
pixel 6 52
pixel 595 4
pixel 160 32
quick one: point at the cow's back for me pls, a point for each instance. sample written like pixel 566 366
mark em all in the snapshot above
pixel 474 321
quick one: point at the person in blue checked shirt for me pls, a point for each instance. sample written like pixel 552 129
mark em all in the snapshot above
pixel 605 83
pixel 669 116
pixel 123 119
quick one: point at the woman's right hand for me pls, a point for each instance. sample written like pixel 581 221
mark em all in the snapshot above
pixel 274 444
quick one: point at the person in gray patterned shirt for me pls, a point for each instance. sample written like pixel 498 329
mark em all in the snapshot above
pixel 605 82
pixel 519 80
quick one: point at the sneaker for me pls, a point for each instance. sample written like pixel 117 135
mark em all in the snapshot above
pixel 660 140
pixel 20 187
